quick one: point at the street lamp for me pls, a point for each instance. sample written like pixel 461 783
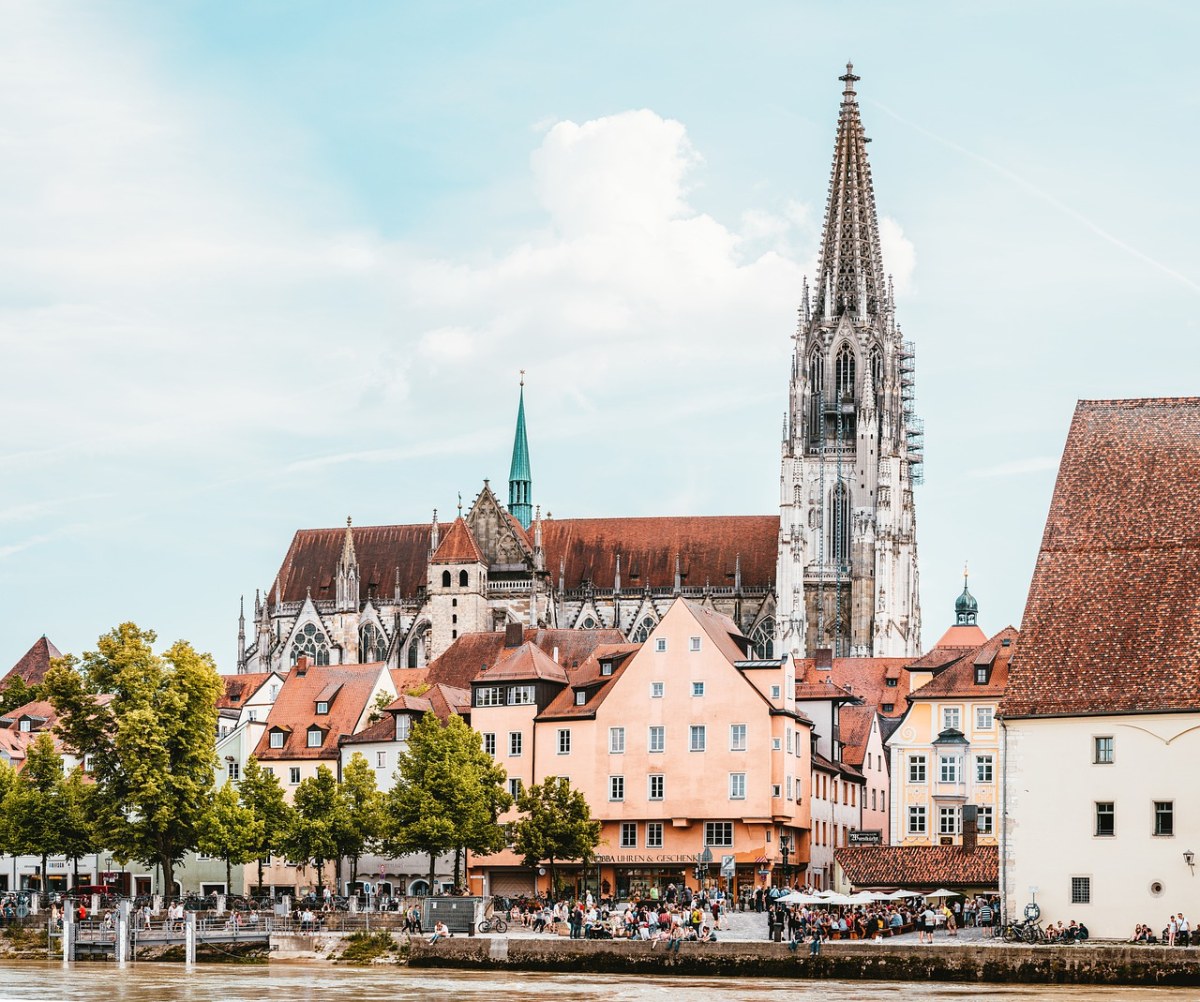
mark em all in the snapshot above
pixel 1189 857
pixel 785 848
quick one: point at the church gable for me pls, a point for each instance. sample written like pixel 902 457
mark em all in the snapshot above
pixel 496 534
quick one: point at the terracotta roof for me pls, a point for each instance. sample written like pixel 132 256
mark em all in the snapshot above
pixel 294 711
pixel 819 761
pixel 458 546
pixel 939 658
pixel 920 866
pixel 524 663
pixel 854 731
pixel 962 636
pixel 865 678
pixel 722 631
pixel 239 688
pixel 470 653
pixel 1112 622
pixel 589 678
pixel 33 664
pixel 383 552
pixel 381 730
pixel 959 679
pixel 39 710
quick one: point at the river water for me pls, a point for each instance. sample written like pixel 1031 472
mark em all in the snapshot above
pixel 154 982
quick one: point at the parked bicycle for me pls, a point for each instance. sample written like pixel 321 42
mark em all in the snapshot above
pixel 493 924
pixel 1029 931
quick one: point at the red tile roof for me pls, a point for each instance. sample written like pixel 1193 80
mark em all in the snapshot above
pixel 865 678
pixel 295 710
pixel 239 688
pixel 920 866
pixel 959 679
pixel 819 761
pixel 470 653
pixel 854 731
pixel 34 664
pixel 962 636
pixel 588 677
pixel 524 663
pixel 39 710
pixel 1112 621
pixel 458 546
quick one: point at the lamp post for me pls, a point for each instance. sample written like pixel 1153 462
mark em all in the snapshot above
pixel 785 848
pixel 1189 857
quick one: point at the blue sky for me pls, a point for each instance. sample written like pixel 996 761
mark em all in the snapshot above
pixel 263 265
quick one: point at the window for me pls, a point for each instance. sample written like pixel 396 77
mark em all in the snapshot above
pixel 984 820
pixel 981 675
pixel 776 744
pixel 488 695
pixel 916 821
pixel 311 643
pixel 888 707
pixel 514 788
pixel 1102 751
pixel 520 695
pixel 658 738
pixel 372 645
pixel 322 707
pixel 381 760
pixel 616 740
pixel 234 771
pixel 916 768
pixel 1081 890
pixel 697 688
pixel 464 579
pixel 276 740
pixel 697 737
pixel 580 697
pixel 656 690
pixel 654 835
pixel 515 741
pixel 843 370
pixel 1164 817
pixel 948 821
pixel 294 775
pixel 628 834
pixel 660 645
pixel 762 640
pixel 737 786
pixel 948 768
pixel 890 683
pixel 789 787
pixel 776 790
pixel 693 644
pixel 873 807
pixel 737 737
pixel 984 717
pixel 606 668
pixel 983 768
pixel 564 741
pixel 839 529
pixel 718 833
pixel 489 744
pixel 315 737
pixel 656 786
pixel 1106 818
pixel 403 726
pixel 775 692
pixel 643 631
pixel 616 787
pixel 445 579
pixel 26 725
pixel 789 740
pixel 951 718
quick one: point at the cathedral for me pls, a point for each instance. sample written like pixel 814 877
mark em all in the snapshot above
pixel 836 569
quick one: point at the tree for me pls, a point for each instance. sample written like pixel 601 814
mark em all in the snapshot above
pixel 557 825
pixel 448 795
pixel 229 831
pixel 263 797
pixel 317 818
pixel 8 779
pixel 34 805
pixel 363 817
pixel 78 815
pixel 149 723
pixel 18 692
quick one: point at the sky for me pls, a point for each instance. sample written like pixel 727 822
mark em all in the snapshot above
pixel 267 265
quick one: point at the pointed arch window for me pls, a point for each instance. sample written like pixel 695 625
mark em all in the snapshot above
pixel 372 645
pixel 418 647
pixel 643 631
pixel 839 539
pixel 816 385
pixel 312 642
pixel 844 371
pixel 877 375
pixel 463 579
pixel 762 640
pixel 446 580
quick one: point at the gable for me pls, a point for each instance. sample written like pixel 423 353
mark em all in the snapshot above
pixel 495 534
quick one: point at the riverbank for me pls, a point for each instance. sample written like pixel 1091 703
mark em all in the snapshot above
pixel 1036 965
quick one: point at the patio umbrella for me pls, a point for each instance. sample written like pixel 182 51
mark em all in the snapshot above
pixel 901 895
pixel 862 898
pixel 880 896
pixel 941 892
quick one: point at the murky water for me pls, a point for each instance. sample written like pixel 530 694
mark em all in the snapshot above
pixel 33 982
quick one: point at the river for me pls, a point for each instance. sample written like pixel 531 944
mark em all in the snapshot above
pixel 155 982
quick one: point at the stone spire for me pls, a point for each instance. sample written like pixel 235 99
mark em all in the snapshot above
pixel 241 658
pixel 347 574
pixel 850 278
pixel 520 483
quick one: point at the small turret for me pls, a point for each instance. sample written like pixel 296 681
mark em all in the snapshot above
pixel 966 609
pixel 241 658
pixel 520 481
pixel 348 592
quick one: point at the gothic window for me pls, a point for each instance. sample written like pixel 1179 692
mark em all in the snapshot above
pixel 372 645
pixel 763 639
pixel 445 579
pixel 643 631
pixel 839 530
pixel 311 642
pixel 816 382
pixel 844 371
pixel 877 375
pixel 463 580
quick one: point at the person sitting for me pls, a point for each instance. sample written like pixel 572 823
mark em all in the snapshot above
pixel 707 935
pixel 1081 933
pixel 440 931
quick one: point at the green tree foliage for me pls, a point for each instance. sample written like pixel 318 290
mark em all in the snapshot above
pixel 448 795
pixel 149 721
pixel 229 831
pixel 78 835
pixel 363 811
pixel 263 796
pixel 8 779
pixel 18 692
pixel 556 825
pixel 35 804
pixel 317 821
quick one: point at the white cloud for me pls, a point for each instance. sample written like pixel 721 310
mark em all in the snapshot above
pixel 899 254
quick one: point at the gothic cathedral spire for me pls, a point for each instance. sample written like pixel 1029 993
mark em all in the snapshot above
pixel 847 565
pixel 520 483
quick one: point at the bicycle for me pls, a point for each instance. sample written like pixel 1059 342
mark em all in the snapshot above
pixel 493 924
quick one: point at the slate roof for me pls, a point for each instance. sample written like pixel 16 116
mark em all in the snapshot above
pixel 33 664
pixel 1112 621
pixel 920 866
pixel 295 712
pixel 470 653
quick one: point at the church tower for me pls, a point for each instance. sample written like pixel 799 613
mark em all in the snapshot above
pixel 847 569
pixel 520 482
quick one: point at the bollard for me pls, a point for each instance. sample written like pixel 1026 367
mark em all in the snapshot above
pixel 156 905
pixel 122 941
pixel 35 903
pixel 220 904
pixel 353 904
pixel 68 935
pixel 95 904
pixel 189 939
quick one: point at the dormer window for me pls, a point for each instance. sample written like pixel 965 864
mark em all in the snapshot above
pixel 276 739
pixel 520 695
pixel 605 667
pixel 580 697
pixel 322 707
pixel 25 725
pixel 316 737
pixel 403 726
pixel 981 675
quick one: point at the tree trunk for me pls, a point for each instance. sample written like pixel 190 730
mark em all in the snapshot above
pixel 45 889
pixel 553 878
pixel 228 876
pixel 458 858
pixel 320 878
pixel 167 865
pixel 432 866
pixel 260 876
pixel 353 870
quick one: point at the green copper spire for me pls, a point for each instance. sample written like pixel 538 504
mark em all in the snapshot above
pixel 520 482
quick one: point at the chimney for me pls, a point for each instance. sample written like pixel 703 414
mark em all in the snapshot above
pixel 824 658
pixel 556 655
pixel 514 635
pixel 302 664
pixel 970 827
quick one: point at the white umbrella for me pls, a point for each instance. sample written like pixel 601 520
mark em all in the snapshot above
pixel 901 895
pixel 796 898
pixel 862 898
pixel 880 896
pixel 838 899
pixel 941 892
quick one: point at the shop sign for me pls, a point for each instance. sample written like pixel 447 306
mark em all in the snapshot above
pixel 643 858
pixel 869 837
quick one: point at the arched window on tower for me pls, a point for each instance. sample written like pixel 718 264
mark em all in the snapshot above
pixel 762 640
pixel 463 579
pixel 844 371
pixel 372 645
pixel 643 631
pixel 816 384
pixel 839 528
pixel 445 579
pixel 877 375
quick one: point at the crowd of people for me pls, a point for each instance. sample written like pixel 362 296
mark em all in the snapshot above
pixel 1177 932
